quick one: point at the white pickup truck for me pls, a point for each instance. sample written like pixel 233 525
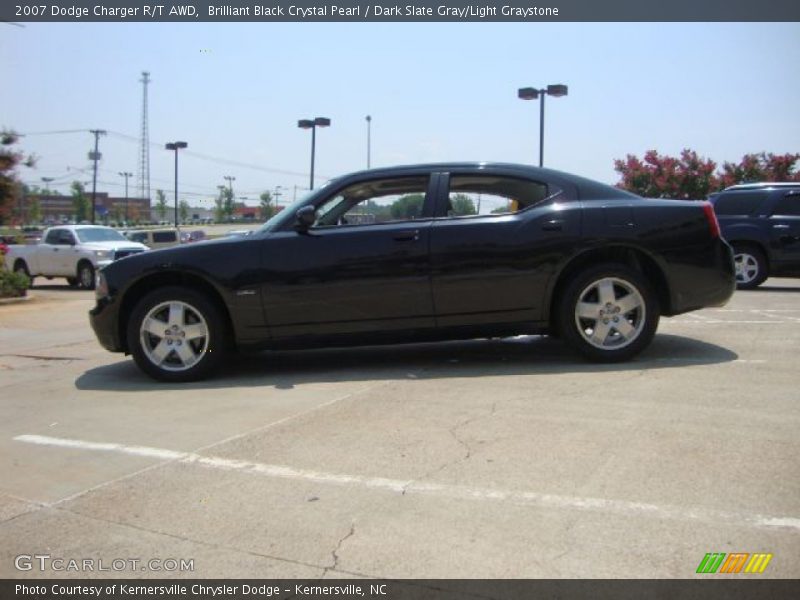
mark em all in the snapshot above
pixel 71 251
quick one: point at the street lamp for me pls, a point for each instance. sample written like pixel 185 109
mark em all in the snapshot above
pixel 312 125
pixel 126 175
pixel 175 146
pixel 369 139
pixel 557 90
pixel 277 194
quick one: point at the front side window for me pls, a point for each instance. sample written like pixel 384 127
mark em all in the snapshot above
pixel 494 195
pixel 375 202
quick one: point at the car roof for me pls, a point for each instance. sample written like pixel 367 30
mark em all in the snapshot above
pixel 762 185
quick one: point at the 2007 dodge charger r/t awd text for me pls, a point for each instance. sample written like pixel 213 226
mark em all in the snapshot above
pixel 422 253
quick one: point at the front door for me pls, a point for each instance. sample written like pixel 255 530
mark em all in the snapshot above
pixel 363 267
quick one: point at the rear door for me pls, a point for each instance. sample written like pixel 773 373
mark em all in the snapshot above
pixel 784 230
pixel 55 253
pixel 495 244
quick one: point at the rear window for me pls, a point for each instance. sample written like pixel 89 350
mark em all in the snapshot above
pixel 738 203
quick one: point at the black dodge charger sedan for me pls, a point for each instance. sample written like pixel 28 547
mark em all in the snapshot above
pixel 422 253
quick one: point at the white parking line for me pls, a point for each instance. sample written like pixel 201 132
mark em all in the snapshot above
pixel 401 486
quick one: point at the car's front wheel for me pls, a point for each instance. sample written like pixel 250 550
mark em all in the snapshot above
pixel 609 313
pixel 751 267
pixel 177 334
pixel 86 275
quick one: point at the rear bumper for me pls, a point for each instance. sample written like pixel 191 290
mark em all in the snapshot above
pixel 707 279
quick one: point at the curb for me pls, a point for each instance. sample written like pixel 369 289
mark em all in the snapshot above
pixel 16 300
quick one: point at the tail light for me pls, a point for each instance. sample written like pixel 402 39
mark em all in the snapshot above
pixel 708 209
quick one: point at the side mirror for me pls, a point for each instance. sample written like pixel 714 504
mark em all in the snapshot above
pixel 306 217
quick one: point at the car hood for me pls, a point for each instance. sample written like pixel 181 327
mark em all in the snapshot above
pixel 114 245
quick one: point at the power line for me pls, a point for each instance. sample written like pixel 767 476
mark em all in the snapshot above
pixel 217 159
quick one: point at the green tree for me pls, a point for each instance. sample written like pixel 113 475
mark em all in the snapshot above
pixel 161 205
pixel 10 187
pixel 462 205
pixel 35 211
pixel 80 203
pixel 219 208
pixel 183 210
pixel 268 206
pixel 407 207
pixel 228 203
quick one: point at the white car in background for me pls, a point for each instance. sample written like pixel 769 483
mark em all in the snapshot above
pixel 72 251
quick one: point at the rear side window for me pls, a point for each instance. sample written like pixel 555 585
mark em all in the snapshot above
pixel 138 236
pixel 52 236
pixel 493 195
pixel 164 237
pixel 738 203
pixel 788 205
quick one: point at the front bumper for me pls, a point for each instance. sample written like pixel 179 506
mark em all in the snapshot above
pixel 104 319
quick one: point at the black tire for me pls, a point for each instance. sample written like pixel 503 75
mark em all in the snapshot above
pixel 21 267
pixel 72 281
pixel 205 353
pixel 614 328
pixel 751 266
pixel 86 275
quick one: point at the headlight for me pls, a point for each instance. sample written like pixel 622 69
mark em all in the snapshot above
pixel 103 254
pixel 101 286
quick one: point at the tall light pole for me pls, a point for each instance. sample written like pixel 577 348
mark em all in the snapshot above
pixel 175 146
pixel 556 90
pixel 126 175
pixel 312 125
pixel 95 156
pixel 369 139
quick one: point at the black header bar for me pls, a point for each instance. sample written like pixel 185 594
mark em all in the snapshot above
pixel 403 11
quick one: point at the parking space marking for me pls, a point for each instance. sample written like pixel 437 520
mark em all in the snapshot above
pixel 410 486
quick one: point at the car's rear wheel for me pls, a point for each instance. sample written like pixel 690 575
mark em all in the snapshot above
pixel 22 268
pixel 177 334
pixel 86 275
pixel 751 266
pixel 609 313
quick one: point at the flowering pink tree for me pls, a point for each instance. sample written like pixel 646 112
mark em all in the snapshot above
pixel 693 177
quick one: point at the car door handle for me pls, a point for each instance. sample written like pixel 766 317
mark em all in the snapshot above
pixel 780 227
pixel 407 236
pixel 553 225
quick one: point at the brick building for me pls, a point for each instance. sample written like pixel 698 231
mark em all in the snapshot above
pixel 58 209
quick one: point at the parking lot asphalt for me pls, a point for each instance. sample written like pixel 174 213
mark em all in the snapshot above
pixel 507 458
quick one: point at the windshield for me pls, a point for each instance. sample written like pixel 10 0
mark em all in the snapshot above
pixel 100 234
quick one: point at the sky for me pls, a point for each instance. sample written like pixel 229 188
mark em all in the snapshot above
pixel 435 92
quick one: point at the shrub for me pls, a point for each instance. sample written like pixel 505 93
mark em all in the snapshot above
pixel 13 285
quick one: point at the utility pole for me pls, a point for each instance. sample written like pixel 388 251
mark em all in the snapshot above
pixel 95 156
pixel 126 175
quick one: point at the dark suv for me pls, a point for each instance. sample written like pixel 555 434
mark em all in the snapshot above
pixel 762 223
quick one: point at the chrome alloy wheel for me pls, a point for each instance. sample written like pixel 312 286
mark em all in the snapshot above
pixel 610 313
pixel 746 267
pixel 174 336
